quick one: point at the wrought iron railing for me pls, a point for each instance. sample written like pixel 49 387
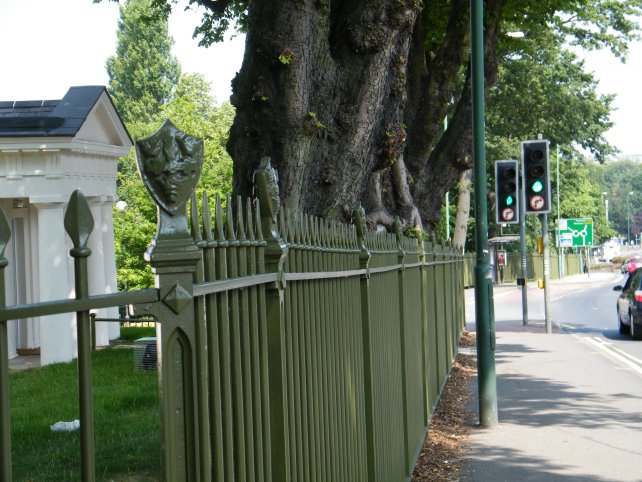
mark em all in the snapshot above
pixel 290 347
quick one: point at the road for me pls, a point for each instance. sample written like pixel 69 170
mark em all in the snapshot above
pixel 583 306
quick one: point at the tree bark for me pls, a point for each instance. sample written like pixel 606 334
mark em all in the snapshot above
pixel 348 98
pixel 321 91
pixel 463 209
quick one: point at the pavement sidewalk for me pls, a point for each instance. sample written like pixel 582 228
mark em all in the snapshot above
pixel 558 418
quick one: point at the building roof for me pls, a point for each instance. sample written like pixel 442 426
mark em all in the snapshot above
pixel 50 118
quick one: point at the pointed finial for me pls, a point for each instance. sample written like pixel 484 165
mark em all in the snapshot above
pixel 79 223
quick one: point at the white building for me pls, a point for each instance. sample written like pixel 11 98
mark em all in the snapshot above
pixel 47 150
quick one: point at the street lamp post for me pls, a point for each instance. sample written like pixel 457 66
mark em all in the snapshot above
pixel 628 218
pixel 606 207
pixel 484 309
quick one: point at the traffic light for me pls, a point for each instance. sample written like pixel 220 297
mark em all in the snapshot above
pixel 536 182
pixel 506 192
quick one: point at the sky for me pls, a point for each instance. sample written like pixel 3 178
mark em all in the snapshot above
pixel 46 46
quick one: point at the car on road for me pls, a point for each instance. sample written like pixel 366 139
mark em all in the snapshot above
pixel 631 264
pixel 629 305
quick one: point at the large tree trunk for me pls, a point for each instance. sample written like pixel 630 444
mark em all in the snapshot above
pixel 348 98
pixel 321 92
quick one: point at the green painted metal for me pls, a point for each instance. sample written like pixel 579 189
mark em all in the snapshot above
pixel 5 408
pixel 484 313
pixel 18 312
pixel 275 253
pixel 202 396
pixel 79 224
pixel 170 163
pixel 291 347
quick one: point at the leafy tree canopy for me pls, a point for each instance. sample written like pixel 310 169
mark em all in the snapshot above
pixel 147 88
pixel 143 72
pixel 350 96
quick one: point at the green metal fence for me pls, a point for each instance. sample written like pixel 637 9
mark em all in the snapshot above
pixel 534 266
pixel 291 347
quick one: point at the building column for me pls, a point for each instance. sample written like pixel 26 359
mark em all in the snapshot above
pixel 109 258
pixel 57 332
pixel 96 268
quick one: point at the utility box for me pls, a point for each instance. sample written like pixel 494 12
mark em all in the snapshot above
pixel 146 354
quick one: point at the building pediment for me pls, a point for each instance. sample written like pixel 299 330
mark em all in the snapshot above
pixel 103 125
pixel 51 147
pixel 85 118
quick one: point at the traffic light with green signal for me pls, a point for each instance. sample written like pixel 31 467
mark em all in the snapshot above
pixel 535 175
pixel 506 192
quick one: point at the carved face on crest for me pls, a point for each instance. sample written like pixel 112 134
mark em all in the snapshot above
pixel 170 164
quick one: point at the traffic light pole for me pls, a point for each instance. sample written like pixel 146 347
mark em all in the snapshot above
pixel 484 311
pixel 547 275
pixel 522 241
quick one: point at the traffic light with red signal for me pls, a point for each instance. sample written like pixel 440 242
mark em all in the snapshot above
pixel 506 192
pixel 535 175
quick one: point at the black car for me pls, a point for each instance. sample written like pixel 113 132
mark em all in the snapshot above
pixel 629 305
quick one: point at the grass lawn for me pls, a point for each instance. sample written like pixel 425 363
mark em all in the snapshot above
pixel 131 333
pixel 126 421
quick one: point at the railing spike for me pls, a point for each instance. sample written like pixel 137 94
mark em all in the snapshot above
pixel 220 236
pixel 229 220
pixel 250 219
pixel 207 220
pixel 345 236
pixel 79 222
pixel 240 224
pixel 307 229
pixel 193 219
pixel 282 229
pixel 259 227
pixel 299 226
pixel 326 233
pixel 290 226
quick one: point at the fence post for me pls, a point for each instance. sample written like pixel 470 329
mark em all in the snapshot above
pixel 79 223
pixel 364 259
pixel 402 337
pixel 424 324
pixel 5 411
pixel 276 251
pixel 169 162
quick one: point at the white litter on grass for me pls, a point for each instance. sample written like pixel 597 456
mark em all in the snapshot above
pixel 65 426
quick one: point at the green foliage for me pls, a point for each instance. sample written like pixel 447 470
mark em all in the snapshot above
pixel 131 333
pixel 125 419
pixel 147 88
pixel 219 16
pixel 618 179
pixel 143 73
pixel 586 24
pixel 550 93
pixel 194 112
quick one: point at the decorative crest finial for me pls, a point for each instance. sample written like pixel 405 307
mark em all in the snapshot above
pixel 267 185
pixel 170 163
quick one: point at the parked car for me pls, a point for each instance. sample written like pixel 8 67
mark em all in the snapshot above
pixel 631 264
pixel 629 305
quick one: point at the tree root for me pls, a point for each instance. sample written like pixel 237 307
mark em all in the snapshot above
pixel 378 215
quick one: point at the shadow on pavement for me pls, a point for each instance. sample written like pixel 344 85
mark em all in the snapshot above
pixel 516 466
pixel 545 422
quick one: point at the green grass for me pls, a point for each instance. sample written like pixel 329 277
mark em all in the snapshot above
pixel 126 421
pixel 131 333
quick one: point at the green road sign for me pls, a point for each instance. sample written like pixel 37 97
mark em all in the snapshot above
pixel 575 233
